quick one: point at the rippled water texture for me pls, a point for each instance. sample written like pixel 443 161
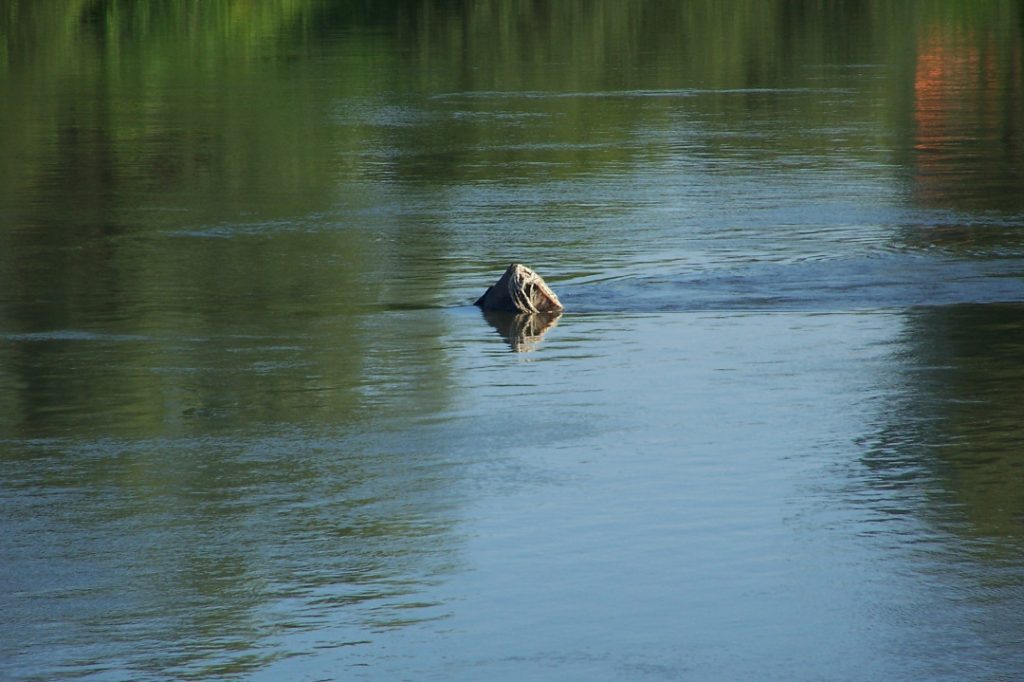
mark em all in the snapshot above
pixel 251 428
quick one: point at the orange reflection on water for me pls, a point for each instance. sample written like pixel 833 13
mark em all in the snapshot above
pixel 963 88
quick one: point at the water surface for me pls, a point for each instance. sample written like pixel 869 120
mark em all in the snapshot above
pixel 251 428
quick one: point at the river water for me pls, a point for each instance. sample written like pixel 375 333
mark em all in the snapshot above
pixel 251 428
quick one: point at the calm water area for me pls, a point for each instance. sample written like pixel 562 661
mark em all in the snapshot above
pixel 252 428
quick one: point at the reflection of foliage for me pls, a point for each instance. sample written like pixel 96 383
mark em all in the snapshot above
pixel 154 197
pixel 197 111
pixel 108 90
pixel 957 433
pixel 968 95
pixel 129 57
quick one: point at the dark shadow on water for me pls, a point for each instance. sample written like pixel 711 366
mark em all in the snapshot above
pixel 949 443
pixel 523 332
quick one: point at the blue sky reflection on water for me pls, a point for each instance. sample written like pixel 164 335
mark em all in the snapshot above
pixel 721 512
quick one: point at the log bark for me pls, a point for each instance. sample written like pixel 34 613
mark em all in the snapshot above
pixel 520 290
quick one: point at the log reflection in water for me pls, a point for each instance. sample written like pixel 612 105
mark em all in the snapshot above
pixel 522 331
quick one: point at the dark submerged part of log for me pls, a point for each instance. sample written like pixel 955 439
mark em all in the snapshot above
pixel 520 290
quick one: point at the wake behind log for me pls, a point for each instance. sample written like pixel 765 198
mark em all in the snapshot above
pixel 520 290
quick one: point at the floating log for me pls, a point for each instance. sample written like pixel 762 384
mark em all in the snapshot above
pixel 520 290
